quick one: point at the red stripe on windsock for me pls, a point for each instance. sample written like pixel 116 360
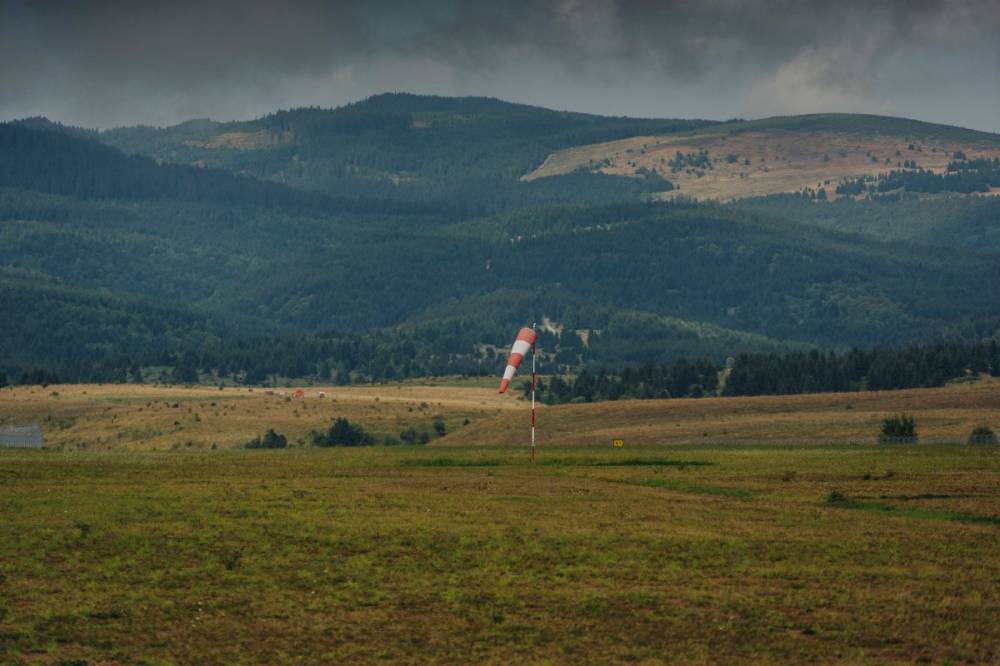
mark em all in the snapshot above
pixel 515 359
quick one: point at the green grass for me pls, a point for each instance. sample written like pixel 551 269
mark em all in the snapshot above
pixel 684 487
pixel 420 555
pixel 922 514
pixel 650 462
pixel 450 462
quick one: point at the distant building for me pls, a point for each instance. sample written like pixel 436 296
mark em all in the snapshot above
pixel 21 437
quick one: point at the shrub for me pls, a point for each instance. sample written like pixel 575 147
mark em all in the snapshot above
pixel 983 435
pixel 901 428
pixel 343 433
pixel 231 558
pixel 439 427
pixel 271 440
pixel 411 436
pixel 836 497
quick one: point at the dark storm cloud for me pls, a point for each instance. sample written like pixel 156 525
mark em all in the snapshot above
pixel 108 63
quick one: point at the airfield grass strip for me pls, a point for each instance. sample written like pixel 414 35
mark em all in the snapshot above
pixel 924 496
pixel 920 514
pixel 643 462
pixel 686 487
pixel 452 462
pixel 551 462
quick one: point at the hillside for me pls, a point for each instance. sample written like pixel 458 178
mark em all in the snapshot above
pixel 470 150
pixel 224 264
pixel 777 155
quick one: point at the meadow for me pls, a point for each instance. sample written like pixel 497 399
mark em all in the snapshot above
pixel 758 159
pixel 148 417
pixel 692 551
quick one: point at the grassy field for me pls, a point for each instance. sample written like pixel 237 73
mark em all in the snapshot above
pixel 943 415
pixel 151 417
pixel 699 550
pixel 687 554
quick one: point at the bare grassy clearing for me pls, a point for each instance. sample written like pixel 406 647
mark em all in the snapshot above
pixel 758 163
pixel 240 140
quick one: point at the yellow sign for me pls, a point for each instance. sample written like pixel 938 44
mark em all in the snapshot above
pixel 619 443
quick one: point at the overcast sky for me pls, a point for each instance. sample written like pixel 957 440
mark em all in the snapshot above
pixel 108 63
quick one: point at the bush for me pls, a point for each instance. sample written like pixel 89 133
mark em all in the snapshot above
pixel 343 433
pixel 271 440
pixel 983 435
pixel 900 428
pixel 439 427
pixel 836 497
pixel 411 436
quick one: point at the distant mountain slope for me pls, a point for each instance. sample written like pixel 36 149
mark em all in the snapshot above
pixel 972 223
pixel 92 333
pixel 776 155
pixel 151 259
pixel 401 146
pixel 38 156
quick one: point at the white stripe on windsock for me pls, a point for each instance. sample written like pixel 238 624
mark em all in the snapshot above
pixel 521 347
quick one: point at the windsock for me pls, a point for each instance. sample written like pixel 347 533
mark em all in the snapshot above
pixel 525 340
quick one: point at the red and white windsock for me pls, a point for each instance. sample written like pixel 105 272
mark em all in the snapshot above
pixel 525 340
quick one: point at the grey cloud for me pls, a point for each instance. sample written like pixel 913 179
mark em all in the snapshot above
pixel 108 63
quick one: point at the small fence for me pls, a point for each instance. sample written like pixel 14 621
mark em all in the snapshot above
pixel 21 437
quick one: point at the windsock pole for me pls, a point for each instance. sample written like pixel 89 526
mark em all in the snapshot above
pixel 524 343
pixel 533 399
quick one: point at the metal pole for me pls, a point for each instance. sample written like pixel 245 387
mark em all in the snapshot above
pixel 532 401
pixel 533 326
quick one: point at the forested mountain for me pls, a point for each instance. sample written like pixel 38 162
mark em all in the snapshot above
pixel 395 237
pixel 470 151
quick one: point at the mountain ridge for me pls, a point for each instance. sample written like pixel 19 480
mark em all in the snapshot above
pixel 158 262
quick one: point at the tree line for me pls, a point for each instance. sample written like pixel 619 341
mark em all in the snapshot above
pixel 918 366
pixel 962 176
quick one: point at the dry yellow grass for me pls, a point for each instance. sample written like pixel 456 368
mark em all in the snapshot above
pixel 240 140
pixel 780 161
pixel 945 414
pixel 150 417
